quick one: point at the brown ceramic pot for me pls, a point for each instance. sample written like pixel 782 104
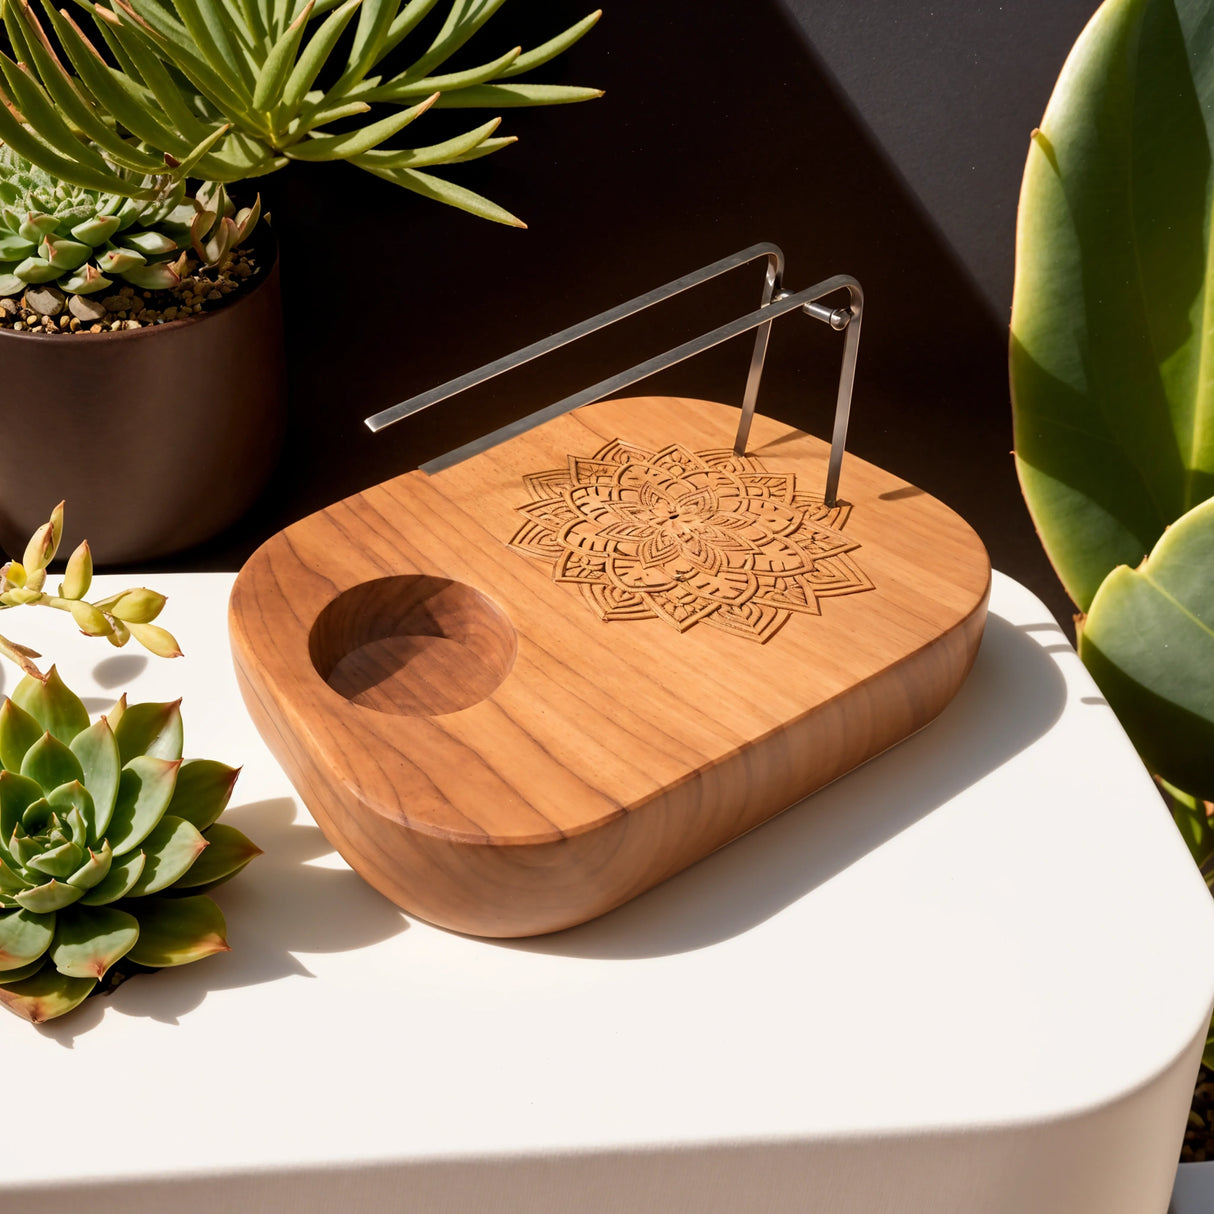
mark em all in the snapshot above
pixel 158 437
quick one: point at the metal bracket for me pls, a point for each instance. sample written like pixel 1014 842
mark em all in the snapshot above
pixel 775 302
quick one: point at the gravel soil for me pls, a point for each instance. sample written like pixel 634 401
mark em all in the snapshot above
pixel 46 310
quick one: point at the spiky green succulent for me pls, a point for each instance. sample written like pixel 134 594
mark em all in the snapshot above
pixel 107 842
pixel 81 240
pixel 230 89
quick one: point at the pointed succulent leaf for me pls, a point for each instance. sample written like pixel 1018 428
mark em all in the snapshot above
pixel 52 896
pixel 37 269
pixel 23 972
pixel 46 995
pixel 203 789
pixel 34 227
pixel 540 55
pixel 119 636
pixel 158 277
pixel 429 186
pixel 59 862
pixel 279 62
pixel 171 849
pixel 15 248
pixel 228 851
pixel 50 763
pixel 352 143
pixel 53 705
pixel 101 762
pixel 315 55
pixel 139 606
pixel 73 804
pixel 176 931
pixel 222 240
pixel 78 576
pixel 94 870
pixel 118 882
pixel 118 711
pixel 86 281
pixel 246 220
pixel 117 260
pixel 144 792
pixel 65 254
pixel 17 794
pixel 24 937
pixel 97 230
pixel 507 96
pixel 18 732
pixel 11 881
pixel 89 939
pixel 150 729
pixel 150 243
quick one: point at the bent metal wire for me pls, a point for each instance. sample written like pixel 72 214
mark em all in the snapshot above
pixel 775 302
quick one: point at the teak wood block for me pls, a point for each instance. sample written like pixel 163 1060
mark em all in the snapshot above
pixel 493 756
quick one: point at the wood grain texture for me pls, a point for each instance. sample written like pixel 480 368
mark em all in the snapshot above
pixel 497 760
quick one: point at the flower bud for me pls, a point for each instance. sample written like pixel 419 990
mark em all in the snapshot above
pixel 155 640
pixel 40 549
pixel 90 621
pixel 78 575
pixel 14 573
pixel 140 606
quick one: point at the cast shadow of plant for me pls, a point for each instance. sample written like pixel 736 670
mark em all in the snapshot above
pixel 280 905
pixel 1013 695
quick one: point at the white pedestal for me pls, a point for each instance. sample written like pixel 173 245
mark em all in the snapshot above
pixel 970 976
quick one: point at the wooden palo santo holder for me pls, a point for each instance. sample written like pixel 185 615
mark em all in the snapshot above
pixel 495 756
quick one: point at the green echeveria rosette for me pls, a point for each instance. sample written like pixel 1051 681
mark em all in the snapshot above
pixel 108 840
pixel 82 240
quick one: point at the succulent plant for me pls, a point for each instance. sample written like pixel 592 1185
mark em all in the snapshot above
pixel 229 89
pixel 118 617
pixel 108 841
pixel 80 239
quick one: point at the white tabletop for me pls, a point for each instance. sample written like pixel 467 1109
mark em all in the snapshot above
pixel 972 975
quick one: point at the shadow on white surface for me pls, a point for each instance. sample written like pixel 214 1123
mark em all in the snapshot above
pixel 280 906
pixel 1013 695
pixel 120 670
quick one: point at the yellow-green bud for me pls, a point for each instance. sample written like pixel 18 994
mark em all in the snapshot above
pixel 56 527
pixel 90 621
pixel 78 575
pixel 119 636
pixel 155 639
pixel 140 606
pixel 19 596
pixel 40 549
pixel 14 573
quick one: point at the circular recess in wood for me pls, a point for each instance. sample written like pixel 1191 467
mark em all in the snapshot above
pixel 413 645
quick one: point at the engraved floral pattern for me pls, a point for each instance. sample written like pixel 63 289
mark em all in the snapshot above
pixel 688 537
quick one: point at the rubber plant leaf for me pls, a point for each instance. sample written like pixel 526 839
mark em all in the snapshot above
pixel 1113 313
pixel 1149 643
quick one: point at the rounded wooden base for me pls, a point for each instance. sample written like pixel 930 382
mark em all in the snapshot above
pixel 549 677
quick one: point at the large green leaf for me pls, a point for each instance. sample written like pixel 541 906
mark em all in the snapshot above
pixel 1113 315
pixel 1149 643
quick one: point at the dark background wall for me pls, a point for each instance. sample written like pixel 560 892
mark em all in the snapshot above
pixel 883 139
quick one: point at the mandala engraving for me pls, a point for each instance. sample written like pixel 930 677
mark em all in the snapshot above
pixel 688 537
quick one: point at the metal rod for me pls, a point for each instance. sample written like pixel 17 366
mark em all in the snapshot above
pixel 771 284
pixel 760 319
pixel 775 268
